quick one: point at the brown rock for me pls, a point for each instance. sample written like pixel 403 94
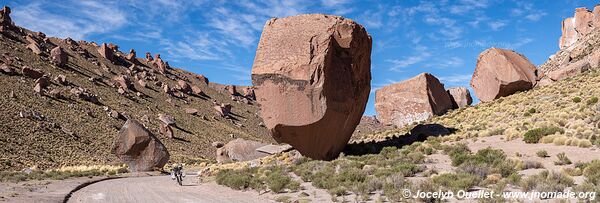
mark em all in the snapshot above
pixel 160 64
pixel 58 56
pixel 142 83
pixel 312 72
pixel 570 70
pixel 166 119
pixel 5 20
pixel 460 97
pixel 61 79
pixel 197 91
pixel 138 148
pixel 223 110
pixel 35 48
pixel 123 82
pixel 185 87
pixel 191 111
pixel 7 69
pixel 131 56
pixel 41 84
pixel 231 89
pixel 32 73
pixel 114 114
pixel 166 89
pixel 249 93
pixel 240 150
pixel 106 52
pixel 412 100
pixel 500 73
pixel 166 130
pixel 202 78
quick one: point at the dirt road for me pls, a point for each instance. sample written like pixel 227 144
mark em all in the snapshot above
pixel 161 189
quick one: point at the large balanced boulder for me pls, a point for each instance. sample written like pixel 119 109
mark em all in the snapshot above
pixel 312 75
pixel 412 100
pixel 460 96
pixel 501 72
pixel 138 148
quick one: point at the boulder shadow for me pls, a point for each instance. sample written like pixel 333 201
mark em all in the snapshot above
pixel 419 133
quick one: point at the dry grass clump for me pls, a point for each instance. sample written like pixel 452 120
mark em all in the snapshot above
pixel 62 173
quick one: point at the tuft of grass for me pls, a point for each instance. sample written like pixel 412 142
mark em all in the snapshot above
pixel 542 154
pixel 576 99
pixel 534 135
pixel 547 182
pixel 62 173
pixel 562 159
pixel 457 181
pixel 239 179
pixel 592 101
pixel 592 172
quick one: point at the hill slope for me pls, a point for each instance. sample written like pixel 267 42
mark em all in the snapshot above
pixel 45 131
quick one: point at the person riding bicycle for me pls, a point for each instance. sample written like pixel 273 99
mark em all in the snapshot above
pixel 177 173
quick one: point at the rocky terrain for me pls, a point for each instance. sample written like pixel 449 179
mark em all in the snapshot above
pixel 64 102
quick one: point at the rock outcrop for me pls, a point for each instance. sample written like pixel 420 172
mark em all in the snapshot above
pixel 576 27
pixel 412 100
pixel 460 96
pixel 502 72
pixel 106 52
pixel 312 78
pixel 138 148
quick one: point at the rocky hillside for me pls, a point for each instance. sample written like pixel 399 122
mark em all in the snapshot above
pixel 65 106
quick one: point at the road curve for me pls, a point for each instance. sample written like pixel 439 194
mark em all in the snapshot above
pixel 161 189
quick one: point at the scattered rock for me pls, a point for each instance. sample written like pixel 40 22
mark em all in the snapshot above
pixel 202 78
pixel 249 93
pixel 35 48
pixel 312 72
pixel 197 91
pixel 223 110
pixel 231 89
pixel 84 94
pixel 61 79
pixel 412 100
pixel 166 130
pixel 142 83
pixel 131 56
pixel 166 119
pixel 7 69
pixel 138 148
pixel 32 73
pixel 114 114
pixel 123 82
pixel 191 111
pixel 502 72
pixel 239 150
pixel 41 84
pixel 460 97
pixel 185 87
pixel 58 57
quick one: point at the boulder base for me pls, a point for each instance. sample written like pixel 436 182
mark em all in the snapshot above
pixel 138 148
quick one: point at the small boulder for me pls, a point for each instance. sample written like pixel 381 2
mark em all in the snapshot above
pixel 61 79
pixel 149 57
pixel 166 130
pixel 166 119
pixel 197 90
pixel 231 89
pixel 58 56
pixel 35 48
pixel 185 87
pixel 202 78
pixel 131 56
pixel 123 82
pixel 32 73
pixel 41 84
pixel 501 72
pixel 138 148
pixel 191 111
pixel 240 150
pixel 460 97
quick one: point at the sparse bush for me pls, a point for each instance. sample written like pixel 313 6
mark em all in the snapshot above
pixel 457 181
pixel 531 111
pixel 592 101
pixel 562 159
pixel 542 154
pixel 547 182
pixel 534 135
pixel 277 181
pixel 577 99
pixel 238 179
pixel 592 172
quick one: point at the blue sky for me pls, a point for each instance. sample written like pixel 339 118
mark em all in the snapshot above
pixel 219 38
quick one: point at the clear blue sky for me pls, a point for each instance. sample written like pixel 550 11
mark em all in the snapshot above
pixel 219 38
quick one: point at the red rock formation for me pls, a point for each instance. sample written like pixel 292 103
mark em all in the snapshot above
pixel 312 78
pixel 412 100
pixel 571 70
pixel 460 97
pixel 5 20
pixel 106 52
pixel 578 26
pixel 502 72
pixel 138 148
pixel 58 56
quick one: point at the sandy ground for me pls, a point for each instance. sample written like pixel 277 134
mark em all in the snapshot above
pixel 161 189
pixel 40 191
